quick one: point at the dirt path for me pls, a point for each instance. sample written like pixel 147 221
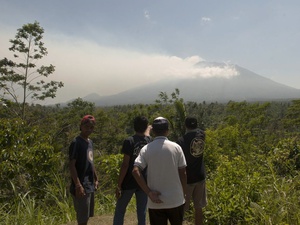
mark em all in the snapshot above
pixel 108 220
pixel 130 219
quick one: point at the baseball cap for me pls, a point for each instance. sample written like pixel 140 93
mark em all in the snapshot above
pixel 191 122
pixel 160 123
pixel 88 118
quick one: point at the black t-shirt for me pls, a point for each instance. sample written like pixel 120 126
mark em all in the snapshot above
pixel 192 144
pixel 82 152
pixel 131 147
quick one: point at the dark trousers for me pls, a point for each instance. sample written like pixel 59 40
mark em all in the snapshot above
pixel 161 216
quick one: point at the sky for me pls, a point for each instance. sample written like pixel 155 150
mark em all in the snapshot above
pixel 109 46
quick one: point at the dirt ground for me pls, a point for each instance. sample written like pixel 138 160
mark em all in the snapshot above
pixel 130 219
pixel 107 220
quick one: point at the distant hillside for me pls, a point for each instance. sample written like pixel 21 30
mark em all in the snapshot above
pixel 247 86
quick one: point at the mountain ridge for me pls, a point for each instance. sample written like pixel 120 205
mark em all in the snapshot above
pixel 247 86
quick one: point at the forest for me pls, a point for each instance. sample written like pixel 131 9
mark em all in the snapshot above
pixel 251 151
pixel 251 156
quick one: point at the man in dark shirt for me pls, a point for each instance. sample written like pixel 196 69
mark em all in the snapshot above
pixel 127 186
pixel 192 144
pixel 83 175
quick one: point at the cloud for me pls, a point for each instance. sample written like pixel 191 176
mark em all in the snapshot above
pixel 146 14
pixel 226 71
pixel 188 68
pixel 236 17
pixel 205 19
pixel 86 67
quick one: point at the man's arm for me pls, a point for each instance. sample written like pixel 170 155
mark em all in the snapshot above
pixel 147 131
pixel 183 179
pixel 96 181
pixel 153 195
pixel 79 190
pixel 122 174
pixel 136 172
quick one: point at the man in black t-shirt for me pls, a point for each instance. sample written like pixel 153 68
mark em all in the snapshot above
pixel 127 185
pixel 192 144
pixel 83 174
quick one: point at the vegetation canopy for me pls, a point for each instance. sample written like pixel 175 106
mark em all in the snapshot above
pixel 251 155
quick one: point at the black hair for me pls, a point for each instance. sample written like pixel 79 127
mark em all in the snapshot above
pixel 158 132
pixel 140 124
pixel 191 122
pixel 160 125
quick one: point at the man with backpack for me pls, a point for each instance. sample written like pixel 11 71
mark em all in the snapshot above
pixel 127 185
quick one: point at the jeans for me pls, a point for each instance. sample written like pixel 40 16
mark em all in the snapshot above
pixel 141 206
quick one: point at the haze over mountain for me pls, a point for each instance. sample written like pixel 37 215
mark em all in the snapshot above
pixel 241 85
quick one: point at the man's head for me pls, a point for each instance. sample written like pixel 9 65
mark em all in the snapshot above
pixel 140 124
pixel 160 126
pixel 87 120
pixel 191 123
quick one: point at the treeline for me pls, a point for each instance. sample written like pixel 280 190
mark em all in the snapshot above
pixel 252 158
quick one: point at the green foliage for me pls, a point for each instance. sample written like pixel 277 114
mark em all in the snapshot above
pixel 251 156
pixel 109 169
pixel 25 208
pixel 173 109
pixel 232 187
pixel 212 152
pixel 286 157
pixel 243 169
pixel 57 196
pixel 292 117
pixel 26 157
pixel 279 202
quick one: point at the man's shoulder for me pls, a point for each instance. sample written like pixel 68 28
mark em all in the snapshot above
pixel 180 140
pixel 130 138
pixel 75 139
pixel 194 133
pixel 137 139
pixel 76 143
pixel 173 143
pixel 135 143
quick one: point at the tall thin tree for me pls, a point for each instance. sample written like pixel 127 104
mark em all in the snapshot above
pixel 23 79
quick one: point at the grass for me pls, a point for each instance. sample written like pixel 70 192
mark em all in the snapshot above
pixel 278 204
pixel 57 208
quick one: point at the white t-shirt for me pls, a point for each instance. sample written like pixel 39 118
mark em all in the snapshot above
pixel 163 158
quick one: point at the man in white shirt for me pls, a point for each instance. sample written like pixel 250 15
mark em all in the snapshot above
pixel 166 176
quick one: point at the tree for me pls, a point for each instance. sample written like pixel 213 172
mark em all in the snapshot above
pixel 292 117
pixel 23 77
pixel 172 107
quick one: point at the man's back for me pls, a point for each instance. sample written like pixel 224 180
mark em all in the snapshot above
pixel 166 176
pixel 192 144
pixel 131 147
pixel 162 159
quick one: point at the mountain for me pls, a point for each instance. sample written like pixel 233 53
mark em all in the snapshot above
pixel 247 86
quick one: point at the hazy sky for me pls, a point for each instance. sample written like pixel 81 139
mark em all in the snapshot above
pixel 108 46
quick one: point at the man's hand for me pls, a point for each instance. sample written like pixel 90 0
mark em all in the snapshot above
pixel 79 191
pixel 118 192
pixel 96 185
pixel 154 196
